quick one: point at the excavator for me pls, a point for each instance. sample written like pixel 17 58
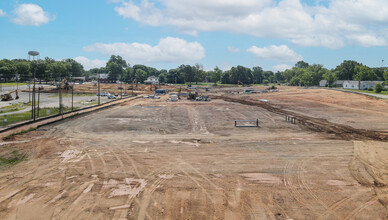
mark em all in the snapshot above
pixel 154 86
pixel 66 85
pixel 133 82
pixel 8 96
pixel 243 84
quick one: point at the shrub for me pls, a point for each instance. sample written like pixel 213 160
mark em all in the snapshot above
pixel 378 88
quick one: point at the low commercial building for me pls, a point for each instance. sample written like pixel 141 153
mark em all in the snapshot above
pixel 360 85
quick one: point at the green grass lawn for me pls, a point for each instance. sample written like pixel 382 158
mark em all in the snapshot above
pixel 12 158
pixel 366 91
pixel 25 116
pixel 13 84
pixel 15 107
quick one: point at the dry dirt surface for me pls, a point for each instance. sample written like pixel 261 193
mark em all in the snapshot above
pixel 152 159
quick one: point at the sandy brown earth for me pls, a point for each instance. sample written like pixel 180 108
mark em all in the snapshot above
pixel 152 159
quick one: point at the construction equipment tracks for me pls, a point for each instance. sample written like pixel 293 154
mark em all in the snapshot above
pixel 315 124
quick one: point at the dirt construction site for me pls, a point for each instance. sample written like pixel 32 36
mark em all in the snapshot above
pixel 154 159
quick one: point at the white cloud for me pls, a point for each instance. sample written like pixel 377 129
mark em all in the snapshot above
pixel 336 23
pixel 281 67
pixel 169 49
pixel 2 13
pixel 233 49
pixel 90 64
pixel 31 15
pixel 273 52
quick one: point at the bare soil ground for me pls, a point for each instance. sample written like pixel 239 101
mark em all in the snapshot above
pixel 152 159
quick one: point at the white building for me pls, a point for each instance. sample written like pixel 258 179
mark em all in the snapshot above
pixel 152 80
pixel 323 83
pixel 360 85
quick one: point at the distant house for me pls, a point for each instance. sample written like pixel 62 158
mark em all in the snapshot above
pixel 104 78
pixel 80 79
pixel 338 83
pixel 323 83
pixel 152 80
pixel 360 85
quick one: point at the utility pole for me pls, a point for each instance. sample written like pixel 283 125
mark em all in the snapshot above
pixel 33 99
pixel 38 99
pixel 99 92
pixel 72 97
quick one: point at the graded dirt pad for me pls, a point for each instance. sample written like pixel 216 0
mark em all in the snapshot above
pixel 152 159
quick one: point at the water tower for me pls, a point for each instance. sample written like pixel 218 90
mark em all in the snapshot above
pixel 33 54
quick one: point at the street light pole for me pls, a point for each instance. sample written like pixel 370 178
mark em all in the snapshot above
pixel 72 97
pixel 99 92
pixel 33 98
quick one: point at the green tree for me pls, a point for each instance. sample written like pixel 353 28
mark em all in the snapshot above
pixel 187 72
pixel 162 77
pixel 257 75
pixel 279 77
pixel 225 79
pixel 330 77
pixel 378 88
pixel 301 64
pixel 346 70
pixel 115 67
pixel 386 77
pixel 23 70
pixel 215 75
pixel 364 73
pixel 7 69
pixel 38 68
pixel 140 75
pixel 76 69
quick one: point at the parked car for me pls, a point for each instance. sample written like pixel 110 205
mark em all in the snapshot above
pixel 111 97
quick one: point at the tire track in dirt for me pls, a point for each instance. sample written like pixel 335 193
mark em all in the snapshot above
pixel 303 184
pixel 103 171
pixel 71 212
pixel 146 194
pixel 122 213
pixel 362 207
pixel 294 191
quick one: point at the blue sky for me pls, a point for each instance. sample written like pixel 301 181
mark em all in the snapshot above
pixel 273 34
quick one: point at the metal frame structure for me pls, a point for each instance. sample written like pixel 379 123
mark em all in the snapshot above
pixel 247 126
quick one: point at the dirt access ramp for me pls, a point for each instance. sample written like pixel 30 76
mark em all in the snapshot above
pixel 315 124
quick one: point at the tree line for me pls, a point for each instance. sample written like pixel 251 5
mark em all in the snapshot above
pixel 302 74
pixel 44 70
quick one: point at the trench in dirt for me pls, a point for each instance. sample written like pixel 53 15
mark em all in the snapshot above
pixel 315 124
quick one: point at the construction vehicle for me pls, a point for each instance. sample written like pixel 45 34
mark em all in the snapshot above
pixel 65 85
pixel 243 84
pixel 192 96
pixel 154 86
pixel 8 96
